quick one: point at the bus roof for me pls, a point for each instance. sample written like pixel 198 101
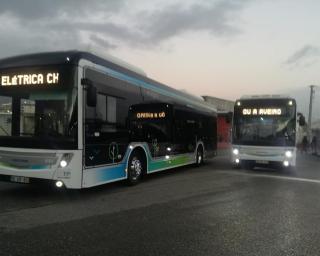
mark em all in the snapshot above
pixel 265 96
pixel 60 57
pixel 73 58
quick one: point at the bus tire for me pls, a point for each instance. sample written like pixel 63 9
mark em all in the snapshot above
pixel 136 168
pixel 199 156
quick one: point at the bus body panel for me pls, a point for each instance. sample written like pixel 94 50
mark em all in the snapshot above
pixel 106 173
pixel 115 172
pixel 263 154
pixel 71 175
pixel 42 164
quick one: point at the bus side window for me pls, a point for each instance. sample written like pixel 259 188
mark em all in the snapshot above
pixel 111 109
pixel 101 109
pixel 185 130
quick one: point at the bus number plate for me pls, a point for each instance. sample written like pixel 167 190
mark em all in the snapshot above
pixel 19 179
pixel 262 162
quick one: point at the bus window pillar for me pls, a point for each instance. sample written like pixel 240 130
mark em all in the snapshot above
pixel 16 109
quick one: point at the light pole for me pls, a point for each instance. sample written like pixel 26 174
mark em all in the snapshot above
pixel 312 92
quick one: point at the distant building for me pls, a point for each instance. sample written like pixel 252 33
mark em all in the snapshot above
pixel 224 108
pixel 26 121
pixel 220 104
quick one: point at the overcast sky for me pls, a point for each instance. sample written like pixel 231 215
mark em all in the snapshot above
pixel 223 48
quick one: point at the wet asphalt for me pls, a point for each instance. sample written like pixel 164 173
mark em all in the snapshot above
pixel 211 210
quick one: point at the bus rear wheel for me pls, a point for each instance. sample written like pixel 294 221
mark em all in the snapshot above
pixel 199 156
pixel 136 168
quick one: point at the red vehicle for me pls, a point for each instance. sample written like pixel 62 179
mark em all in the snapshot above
pixel 224 129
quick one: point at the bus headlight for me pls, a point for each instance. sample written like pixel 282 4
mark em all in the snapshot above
pixel 65 160
pixel 63 163
pixel 235 151
pixel 59 184
pixel 288 154
pixel 286 163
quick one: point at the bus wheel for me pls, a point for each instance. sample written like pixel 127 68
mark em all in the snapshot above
pixel 135 168
pixel 199 159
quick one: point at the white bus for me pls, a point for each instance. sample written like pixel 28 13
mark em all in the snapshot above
pixel 77 120
pixel 264 131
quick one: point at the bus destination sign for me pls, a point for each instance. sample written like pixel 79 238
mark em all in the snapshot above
pixel 262 112
pixel 42 78
pixel 151 115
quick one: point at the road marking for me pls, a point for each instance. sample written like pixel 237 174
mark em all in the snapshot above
pixel 274 177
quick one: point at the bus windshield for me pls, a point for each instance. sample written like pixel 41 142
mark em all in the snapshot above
pixel 265 130
pixel 38 118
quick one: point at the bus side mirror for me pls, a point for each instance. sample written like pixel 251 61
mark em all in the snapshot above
pixel 302 120
pixel 91 92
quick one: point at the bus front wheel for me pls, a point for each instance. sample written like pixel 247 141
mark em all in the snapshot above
pixel 136 167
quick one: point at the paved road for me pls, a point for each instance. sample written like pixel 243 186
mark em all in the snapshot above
pixel 212 210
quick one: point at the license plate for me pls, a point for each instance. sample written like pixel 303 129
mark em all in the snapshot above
pixel 262 162
pixel 19 179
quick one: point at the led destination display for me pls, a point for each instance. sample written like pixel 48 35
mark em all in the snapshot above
pixel 262 112
pixel 29 79
pixel 147 115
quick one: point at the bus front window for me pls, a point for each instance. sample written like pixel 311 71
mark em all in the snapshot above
pixel 276 131
pixel 5 115
pixel 39 118
pixel 50 118
pixel 265 130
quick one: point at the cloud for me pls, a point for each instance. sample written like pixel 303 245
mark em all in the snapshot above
pixel 31 26
pixel 101 42
pixel 217 18
pixel 17 39
pixel 304 56
pixel 46 9
pixel 156 26
pixel 103 29
pixel 69 24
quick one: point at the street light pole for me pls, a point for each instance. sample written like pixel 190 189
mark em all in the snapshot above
pixel 312 91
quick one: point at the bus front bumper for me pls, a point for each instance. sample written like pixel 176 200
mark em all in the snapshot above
pixel 263 156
